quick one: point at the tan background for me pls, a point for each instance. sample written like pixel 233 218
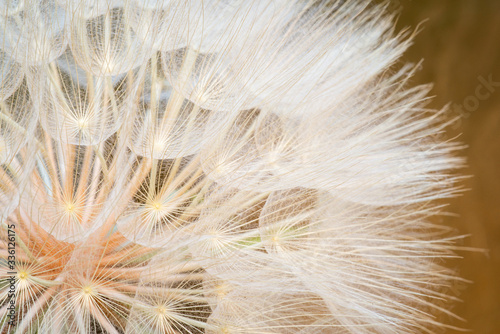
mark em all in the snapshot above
pixel 460 42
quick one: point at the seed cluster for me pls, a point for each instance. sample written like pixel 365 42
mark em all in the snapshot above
pixel 211 166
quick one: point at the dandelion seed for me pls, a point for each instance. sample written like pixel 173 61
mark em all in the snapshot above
pixel 217 167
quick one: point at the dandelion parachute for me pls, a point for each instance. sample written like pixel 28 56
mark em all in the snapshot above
pixel 217 167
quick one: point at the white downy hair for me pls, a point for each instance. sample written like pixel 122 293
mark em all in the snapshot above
pixel 215 166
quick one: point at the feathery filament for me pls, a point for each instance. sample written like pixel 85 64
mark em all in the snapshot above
pixel 217 167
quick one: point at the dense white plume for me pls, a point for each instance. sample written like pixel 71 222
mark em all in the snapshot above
pixel 215 166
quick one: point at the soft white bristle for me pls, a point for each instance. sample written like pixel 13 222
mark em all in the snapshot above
pixel 217 167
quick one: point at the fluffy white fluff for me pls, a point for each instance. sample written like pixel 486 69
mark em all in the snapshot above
pixel 220 167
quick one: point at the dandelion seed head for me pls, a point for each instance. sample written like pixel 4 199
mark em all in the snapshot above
pixel 87 290
pixel 218 167
pixel 82 123
pixel 23 283
pixel 156 206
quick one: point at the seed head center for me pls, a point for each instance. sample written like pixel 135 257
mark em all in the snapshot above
pixel 87 290
pixel 70 207
pixel 157 205
pixel 159 146
pixel 161 310
pixel 82 123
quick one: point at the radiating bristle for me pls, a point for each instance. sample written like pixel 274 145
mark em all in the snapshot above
pixel 212 166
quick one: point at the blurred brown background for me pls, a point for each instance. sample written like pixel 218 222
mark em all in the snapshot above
pixel 460 45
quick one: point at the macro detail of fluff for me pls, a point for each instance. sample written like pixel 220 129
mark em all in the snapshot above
pixel 215 166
